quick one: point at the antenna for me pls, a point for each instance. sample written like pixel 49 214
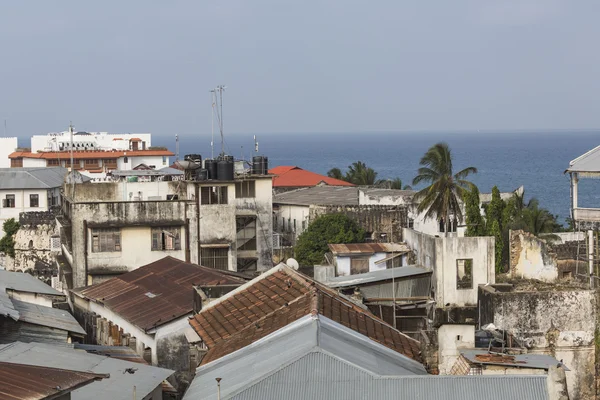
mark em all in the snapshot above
pixel 255 144
pixel 212 128
pixel 176 147
pixel 221 89
pixel 72 177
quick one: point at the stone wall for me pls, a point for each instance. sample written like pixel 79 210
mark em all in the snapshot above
pixel 557 323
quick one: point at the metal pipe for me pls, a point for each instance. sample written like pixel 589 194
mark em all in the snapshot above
pixel 218 388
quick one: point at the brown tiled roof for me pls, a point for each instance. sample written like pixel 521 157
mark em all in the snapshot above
pixel 156 293
pixel 278 298
pixel 18 381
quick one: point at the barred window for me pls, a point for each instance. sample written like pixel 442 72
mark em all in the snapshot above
pixel 215 257
pixel 165 238
pixel 213 195
pixel 245 189
pixel 106 240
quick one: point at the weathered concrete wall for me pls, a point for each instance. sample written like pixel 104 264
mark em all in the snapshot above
pixel 451 339
pixel 441 254
pixel 558 323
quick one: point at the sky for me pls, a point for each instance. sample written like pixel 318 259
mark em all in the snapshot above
pixel 303 66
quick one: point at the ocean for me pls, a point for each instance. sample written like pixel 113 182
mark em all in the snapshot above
pixel 536 160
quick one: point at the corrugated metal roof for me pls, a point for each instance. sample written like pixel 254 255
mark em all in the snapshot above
pixel 312 378
pixel 47 316
pixel 537 361
pixel 277 298
pixel 32 178
pixel 377 276
pixel 368 248
pixel 306 335
pixel 120 385
pixel 319 195
pixel 119 352
pixel 6 306
pixel 587 162
pixel 19 382
pixel 23 282
pixel 169 280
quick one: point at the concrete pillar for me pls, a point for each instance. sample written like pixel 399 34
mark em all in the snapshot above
pixel 574 188
pixel 557 384
pixel 591 256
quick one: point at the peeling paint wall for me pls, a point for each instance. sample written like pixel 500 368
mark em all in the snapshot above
pixel 558 323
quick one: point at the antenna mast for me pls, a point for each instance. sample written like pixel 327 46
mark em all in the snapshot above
pixel 212 122
pixel 176 147
pixel 221 89
pixel 71 152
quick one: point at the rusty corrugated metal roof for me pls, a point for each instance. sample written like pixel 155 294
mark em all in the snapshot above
pixel 277 298
pixel 156 293
pixel 18 381
pixel 368 248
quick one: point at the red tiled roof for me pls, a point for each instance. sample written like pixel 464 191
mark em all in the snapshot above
pixel 135 139
pixel 19 381
pixel 78 155
pixel 290 176
pixel 156 293
pixel 278 298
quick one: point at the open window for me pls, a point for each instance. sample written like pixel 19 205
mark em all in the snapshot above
pixel 213 195
pixel 359 265
pixel 244 189
pixel 464 273
pixel 166 238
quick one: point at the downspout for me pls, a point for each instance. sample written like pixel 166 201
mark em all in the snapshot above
pixel 197 190
pixel 187 237
pixel 85 250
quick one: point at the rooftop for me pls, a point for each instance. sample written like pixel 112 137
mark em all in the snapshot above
pixel 377 276
pixel 275 299
pixel 23 282
pixel 18 381
pixel 91 154
pixel 319 195
pixel 292 176
pixel 367 248
pixel 119 387
pixel 47 316
pixel 32 178
pixel 157 293
pixel 535 361
pixel 588 162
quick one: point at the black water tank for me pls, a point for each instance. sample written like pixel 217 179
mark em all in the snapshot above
pixel 265 167
pixel 201 174
pixel 211 167
pixel 225 170
pixel 197 158
pixel 257 165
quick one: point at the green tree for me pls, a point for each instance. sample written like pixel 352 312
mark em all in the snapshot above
pixel 326 229
pixel 359 174
pixel 495 209
pixel 497 234
pixel 335 173
pixel 537 221
pixel 441 199
pixel 7 243
pixel 475 222
pixel 395 183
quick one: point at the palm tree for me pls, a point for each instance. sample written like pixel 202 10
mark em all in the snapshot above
pixel 441 199
pixel 359 174
pixel 335 173
pixel 395 183
pixel 537 221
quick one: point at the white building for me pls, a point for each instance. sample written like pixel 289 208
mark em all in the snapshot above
pixel 29 189
pixel 98 141
pixel 7 146
pixel 359 258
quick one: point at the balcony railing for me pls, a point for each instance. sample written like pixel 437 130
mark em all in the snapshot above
pixel 586 214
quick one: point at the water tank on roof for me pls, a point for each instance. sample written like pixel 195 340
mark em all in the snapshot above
pixel 211 167
pixel 225 170
pixel 201 174
pixel 260 165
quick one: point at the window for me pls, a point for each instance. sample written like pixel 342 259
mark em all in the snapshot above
pixel 294 225
pixel 246 233
pixel 245 189
pixel 464 273
pixel 359 265
pixel 53 163
pixel 9 201
pixel 16 163
pixel 34 200
pixel 164 160
pixel 166 238
pixel 246 264
pixel 215 257
pixel 411 223
pixel 125 159
pixel 55 243
pixel 106 240
pixel 92 162
pixel 213 195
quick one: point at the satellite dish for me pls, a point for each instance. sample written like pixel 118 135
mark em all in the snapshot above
pixel 292 263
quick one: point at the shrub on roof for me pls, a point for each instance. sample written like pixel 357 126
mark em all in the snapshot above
pixel 326 229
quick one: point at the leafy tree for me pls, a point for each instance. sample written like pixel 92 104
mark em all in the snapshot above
pixel 359 174
pixel 326 229
pixel 395 183
pixel 7 243
pixel 497 234
pixel 537 221
pixel 441 198
pixel 335 173
pixel 494 210
pixel 475 221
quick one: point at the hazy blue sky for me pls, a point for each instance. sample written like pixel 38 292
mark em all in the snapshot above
pixel 299 66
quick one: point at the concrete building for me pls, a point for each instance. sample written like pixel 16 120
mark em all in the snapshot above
pixel 110 228
pixel 8 145
pixel 148 310
pixel 358 258
pixel 29 190
pixel 126 380
pixel 100 141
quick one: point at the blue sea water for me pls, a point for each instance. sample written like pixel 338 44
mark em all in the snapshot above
pixel 536 160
